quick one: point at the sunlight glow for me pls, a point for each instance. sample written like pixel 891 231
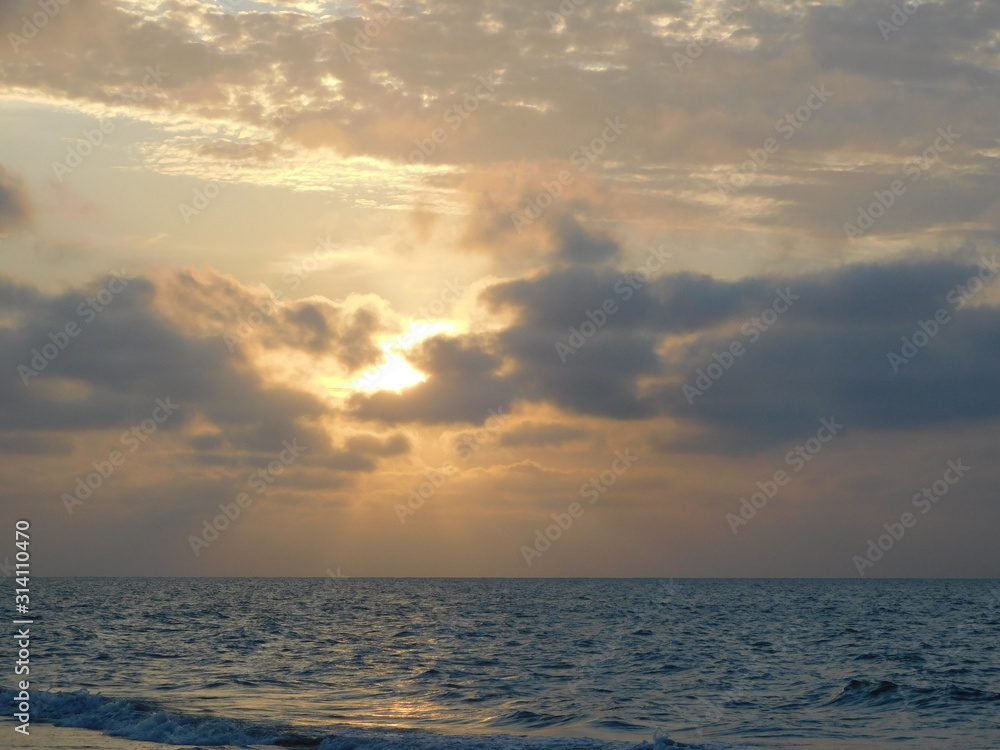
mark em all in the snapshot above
pixel 396 373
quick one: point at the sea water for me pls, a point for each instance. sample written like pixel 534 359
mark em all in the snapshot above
pixel 378 663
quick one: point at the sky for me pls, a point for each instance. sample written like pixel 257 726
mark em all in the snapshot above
pixel 451 288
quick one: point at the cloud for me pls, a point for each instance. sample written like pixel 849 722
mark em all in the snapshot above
pixel 98 356
pixel 799 373
pixel 538 435
pixel 264 95
pixel 208 303
pixel 918 44
pixel 576 245
pixel 29 444
pixel 463 385
pixel 689 127
pixel 16 208
pixel 504 220
pixel 394 445
pixel 826 354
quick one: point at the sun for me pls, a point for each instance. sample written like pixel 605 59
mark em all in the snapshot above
pixel 396 373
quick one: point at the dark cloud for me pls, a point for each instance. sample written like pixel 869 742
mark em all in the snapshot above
pixel 538 435
pixel 374 445
pixel 940 198
pixel 579 246
pixel 561 298
pixel 799 373
pixel 463 385
pixel 915 41
pixel 16 207
pixel 207 303
pixel 452 357
pixel 322 328
pixel 99 358
pixel 28 444
pixel 124 356
pixel 825 355
pixel 683 302
pixel 600 378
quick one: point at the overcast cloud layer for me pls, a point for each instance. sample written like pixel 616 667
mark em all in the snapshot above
pixel 426 271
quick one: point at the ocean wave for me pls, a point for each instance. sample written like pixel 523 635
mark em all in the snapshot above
pixel 140 720
pixel 861 692
pixel 146 721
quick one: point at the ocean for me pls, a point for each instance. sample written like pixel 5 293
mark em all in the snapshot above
pixel 464 664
